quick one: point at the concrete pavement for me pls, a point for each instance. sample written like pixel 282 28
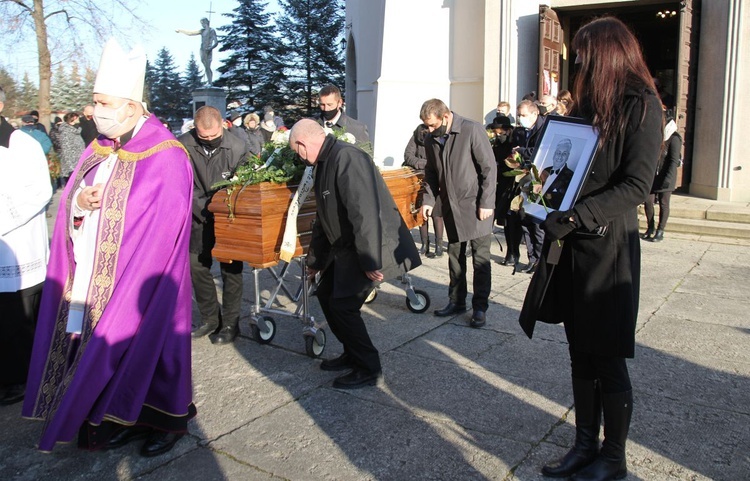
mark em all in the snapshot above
pixel 457 403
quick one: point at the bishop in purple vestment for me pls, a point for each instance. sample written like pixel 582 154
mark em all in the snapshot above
pixel 111 359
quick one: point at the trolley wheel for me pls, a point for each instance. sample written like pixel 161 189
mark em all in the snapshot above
pixel 313 344
pixel 264 336
pixel 422 304
pixel 372 296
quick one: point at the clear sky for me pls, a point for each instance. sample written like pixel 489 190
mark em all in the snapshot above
pixel 164 17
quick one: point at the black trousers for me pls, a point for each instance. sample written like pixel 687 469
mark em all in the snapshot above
pixel 480 251
pixel 648 207
pixel 611 372
pixel 344 317
pixel 513 234
pixel 205 290
pixel 533 236
pixel 18 315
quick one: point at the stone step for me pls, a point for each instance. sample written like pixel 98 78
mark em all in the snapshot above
pixel 702 226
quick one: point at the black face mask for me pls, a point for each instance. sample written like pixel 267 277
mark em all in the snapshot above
pixel 544 109
pixel 329 114
pixel 440 131
pixel 212 144
pixel 501 138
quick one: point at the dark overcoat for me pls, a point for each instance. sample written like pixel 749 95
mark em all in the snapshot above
pixel 595 286
pixel 666 172
pixel 358 226
pixel 206 172
pixel 352 126
pixel 463 174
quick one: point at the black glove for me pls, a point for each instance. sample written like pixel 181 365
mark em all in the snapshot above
pixel 559 224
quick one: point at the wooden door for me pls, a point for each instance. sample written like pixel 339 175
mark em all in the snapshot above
pixel 550 48
pixel 687 70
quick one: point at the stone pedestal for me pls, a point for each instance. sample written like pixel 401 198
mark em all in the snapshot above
pixel 211 96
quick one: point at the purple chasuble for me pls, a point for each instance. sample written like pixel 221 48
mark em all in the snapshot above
pixel 134 348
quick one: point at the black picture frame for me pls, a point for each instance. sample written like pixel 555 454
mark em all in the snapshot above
pixel 560 189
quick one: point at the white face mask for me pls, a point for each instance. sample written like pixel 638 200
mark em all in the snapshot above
pixel 526 122
pixel 106 120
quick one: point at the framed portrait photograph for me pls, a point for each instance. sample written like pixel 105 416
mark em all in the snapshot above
pixel 563 159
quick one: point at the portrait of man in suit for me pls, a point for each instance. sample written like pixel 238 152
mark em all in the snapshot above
pixel 556 178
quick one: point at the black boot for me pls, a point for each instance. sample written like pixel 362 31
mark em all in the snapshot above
pixel 588 418
pixel 649 231
pixel 611 463
pixel 228 332
pixel 438 249
pixel 425 249
pixel 205 329
pixel 659 236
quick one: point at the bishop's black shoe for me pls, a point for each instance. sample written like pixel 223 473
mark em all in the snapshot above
pixel 451 309
pixel 159 442
pixel 127 434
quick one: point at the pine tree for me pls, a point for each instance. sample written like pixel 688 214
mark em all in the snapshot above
pixel 10 87
pixel 168 97
pixel 59 88
pixel 28 97
pixel 193 77
pixel 312 32
pixel 85 92
pixel 253 72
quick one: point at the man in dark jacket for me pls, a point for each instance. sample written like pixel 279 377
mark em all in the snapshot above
pixel 88 127
pixel 215 155
pixel 461 170
pixel 333 117
pixel 358 241
pixel 525 140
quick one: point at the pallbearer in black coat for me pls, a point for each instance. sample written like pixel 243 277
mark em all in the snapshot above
pixel 359 240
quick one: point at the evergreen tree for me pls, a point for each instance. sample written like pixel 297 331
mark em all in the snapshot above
pixel 253 72
pixel 10 87
pixel 74 86
pixel 149 80
pixel 85 92
pixel 28 97
pixel 193 78
pixel 59 88
pixel 168 96
pixel 312 32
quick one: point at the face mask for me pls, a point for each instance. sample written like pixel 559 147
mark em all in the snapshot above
pixel 106 121
pixel 237 122
pixel 440 131
pixel 501 138
pixel 526 122
pixel 329 114
pixel 544 109
pixel 212 144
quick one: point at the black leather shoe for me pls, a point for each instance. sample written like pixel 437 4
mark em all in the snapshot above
pixel 451 309
pixel 530 269
pixel 159 442
pixel 204 330
pixel 13 393
pixel 357 378
pixel 226 335
pixel 127 434
pixel 439 250
pixel 477 319
pixel 340 363
pixel 508 261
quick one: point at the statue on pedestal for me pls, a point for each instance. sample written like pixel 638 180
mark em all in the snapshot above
pixel 209 41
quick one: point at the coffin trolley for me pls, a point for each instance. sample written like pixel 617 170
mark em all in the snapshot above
pixel 249 227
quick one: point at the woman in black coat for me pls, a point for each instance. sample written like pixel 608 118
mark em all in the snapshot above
pixel 664 183
pixel 416 158
pixel 594 286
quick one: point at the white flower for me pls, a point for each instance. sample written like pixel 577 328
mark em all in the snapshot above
pixel 347 137
pixel 327 130
pixel 280 138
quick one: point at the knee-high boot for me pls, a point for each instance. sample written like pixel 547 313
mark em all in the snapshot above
pixel 611 464
pixel 588 420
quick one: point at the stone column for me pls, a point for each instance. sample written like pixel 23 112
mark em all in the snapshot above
pixel 211 96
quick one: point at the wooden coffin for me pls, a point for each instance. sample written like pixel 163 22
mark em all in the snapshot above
pixel 255 232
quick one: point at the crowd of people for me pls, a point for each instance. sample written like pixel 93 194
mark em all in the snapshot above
pixel 97 339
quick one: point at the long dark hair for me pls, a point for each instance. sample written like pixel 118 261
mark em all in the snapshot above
pixel 611 61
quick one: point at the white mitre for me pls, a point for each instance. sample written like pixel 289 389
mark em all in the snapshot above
pixel 121 74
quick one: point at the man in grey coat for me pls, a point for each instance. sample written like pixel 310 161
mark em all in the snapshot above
pixel 461 171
